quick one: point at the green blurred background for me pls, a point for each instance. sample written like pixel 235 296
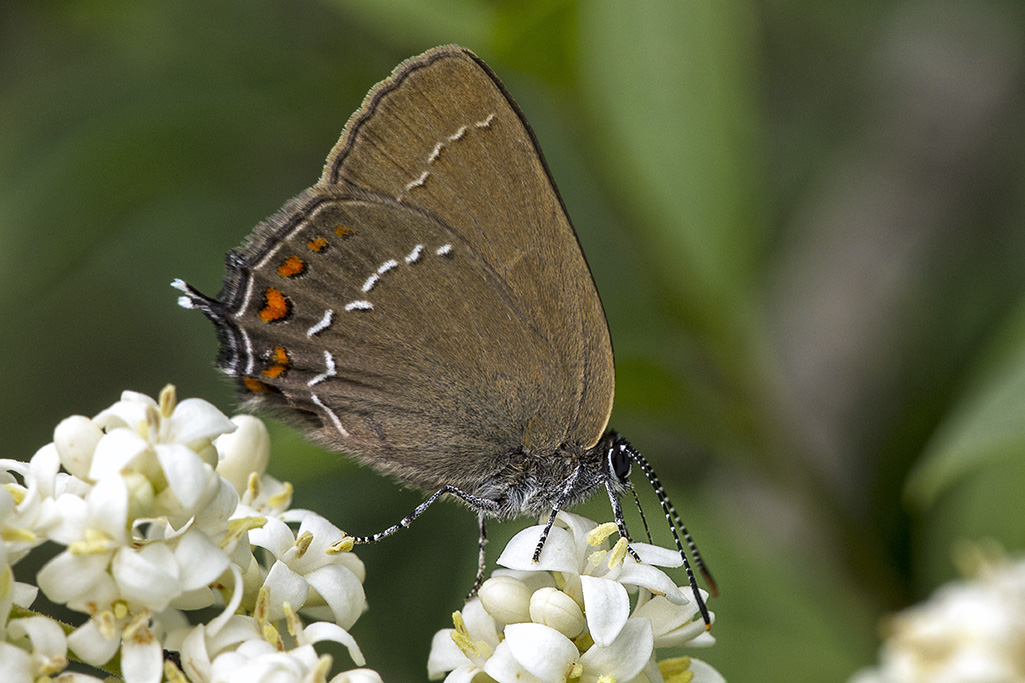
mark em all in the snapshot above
pixel 805 220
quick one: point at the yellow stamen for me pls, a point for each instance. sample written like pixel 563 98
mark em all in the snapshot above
pixel 271 635
pixel 261 611
pixel 676 670
pixel 342 545
pixel 238 528
pixel 17 492
pixel 138 628
pixel 322 669
pixel 618 553
pixel 105 624
pixel 295 625
pixel 468 646
pixel 598 535
pixel 168 400
pixel 95 542
pixel 282 496
pixel 172 673
pixel 594 559
pixel 18 536
pixel 302 544
pixel 253 485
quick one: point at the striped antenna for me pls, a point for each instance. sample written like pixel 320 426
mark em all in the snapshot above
pixel 674 521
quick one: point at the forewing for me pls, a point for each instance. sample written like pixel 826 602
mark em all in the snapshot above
pixel 443 135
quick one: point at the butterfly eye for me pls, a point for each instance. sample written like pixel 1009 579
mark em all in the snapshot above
pixel 619 462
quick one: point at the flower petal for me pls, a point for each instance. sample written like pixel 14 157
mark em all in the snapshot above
pixel 128 413
pixel 185 471
pixel 341 590
pixel 504 668
pixel 148 576
pixel 203 559
pixel 274 535
pixel 195 419
pixel 67 576
pixel 243 452
pixel 76 438
pixel 358 676
pixel 15 663
pixel 91 646
pixel 45 634
pixel 541 650
pixel 142 659
pixel 114 452
pixel 657 555
pixel 322 630
pixel 285 586
pixel 445 654
pixel 703 673
pixel 655 580
pixel 606 608
pixel 624 658
pixel 558 555
pixel 479 624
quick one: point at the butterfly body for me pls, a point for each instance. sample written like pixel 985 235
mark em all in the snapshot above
pixel 426 308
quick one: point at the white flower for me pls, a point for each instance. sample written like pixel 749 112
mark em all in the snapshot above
pixel 27 510
pixel 570 615
pixel 239 650
pixel 968 631
pixel 466 649
pixel 170 444
pixel 157 509
pixel 36 647
pixel 311 571
pixel 243 452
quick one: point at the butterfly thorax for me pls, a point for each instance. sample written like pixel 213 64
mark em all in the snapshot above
pixel 531 485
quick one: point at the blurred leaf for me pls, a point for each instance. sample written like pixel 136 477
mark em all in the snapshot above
pixel 985 428
pixel 411 22
pixel 539 35
pixel 787 610
pixel 672 89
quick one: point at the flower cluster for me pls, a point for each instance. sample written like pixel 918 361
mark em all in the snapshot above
pixel 159 509
pixel 970 630
pixel 569 616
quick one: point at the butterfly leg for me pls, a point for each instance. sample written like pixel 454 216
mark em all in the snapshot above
pixel 617 514
pixel 559 502
pixel 481 563
pixel 479 504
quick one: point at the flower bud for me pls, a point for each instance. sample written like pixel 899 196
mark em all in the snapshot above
pixel 244 451
pixel 552 607
pixel 506 599
pixel 76 438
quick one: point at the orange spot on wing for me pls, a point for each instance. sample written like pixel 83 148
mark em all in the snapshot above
pixel 255 385
pixel 292 266
pixel 317 244
pixel 344 231
pixel 276 306
pixel 281 362
pixel 280 355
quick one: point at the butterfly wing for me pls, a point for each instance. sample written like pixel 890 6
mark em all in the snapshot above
pixel 443 134
pixel 427 301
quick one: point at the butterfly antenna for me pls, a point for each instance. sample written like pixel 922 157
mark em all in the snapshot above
pixel 640 510
pixel 673 519
pixel 698 561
